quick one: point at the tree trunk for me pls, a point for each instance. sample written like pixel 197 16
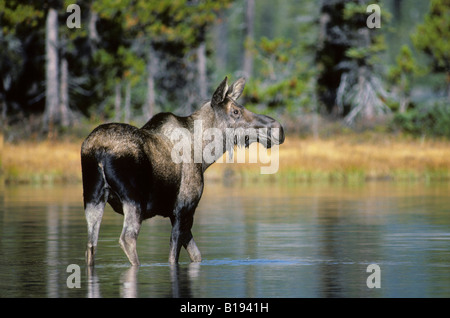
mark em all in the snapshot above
pixel 249 21
pixel 315 110
pixel 404 101
pixel 201 66
pixel 221 43
pixel 4 112
pixel 64 94
pixel 94 38
pixel 117 102
pixel 127 106
pixel 151 71
pixel 51 91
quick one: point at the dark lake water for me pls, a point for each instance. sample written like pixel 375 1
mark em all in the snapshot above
pixel 269 240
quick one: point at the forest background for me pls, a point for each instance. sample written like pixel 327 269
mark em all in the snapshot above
pixel 357 102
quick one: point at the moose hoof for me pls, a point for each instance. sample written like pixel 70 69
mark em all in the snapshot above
pixel 90 253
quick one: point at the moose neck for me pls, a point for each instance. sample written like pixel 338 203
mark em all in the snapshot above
pixel 205 124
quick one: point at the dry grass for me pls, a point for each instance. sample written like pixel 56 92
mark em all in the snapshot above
pixel 343 158
pixel 355 158
pixel 380 157
pixel 42 162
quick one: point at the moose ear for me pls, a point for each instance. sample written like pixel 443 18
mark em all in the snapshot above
pixel 219 94
pixel 236 89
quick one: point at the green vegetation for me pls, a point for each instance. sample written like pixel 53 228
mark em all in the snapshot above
pixel 432 37
pixel 131 59
pixel 432 121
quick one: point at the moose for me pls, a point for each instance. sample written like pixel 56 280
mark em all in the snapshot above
pixel 132 169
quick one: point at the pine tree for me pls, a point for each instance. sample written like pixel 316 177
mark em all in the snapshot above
pixel 433 38
pixel 402 76
pixel 20 79
pixel 348 83
pixel 157 39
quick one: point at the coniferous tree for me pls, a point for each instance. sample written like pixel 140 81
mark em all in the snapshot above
pixel 348 83
pixel 433 38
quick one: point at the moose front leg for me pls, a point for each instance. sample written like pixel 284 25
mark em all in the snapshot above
pixel 193 251
pixel 182 236
pixel 175 244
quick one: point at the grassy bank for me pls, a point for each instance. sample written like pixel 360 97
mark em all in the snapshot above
pixel 355 158
pixel 41 162
pixel 341 159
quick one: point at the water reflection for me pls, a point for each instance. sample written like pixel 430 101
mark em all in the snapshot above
pixel 181 278
pixel 93 283
pixel 128 281
pixel 267 241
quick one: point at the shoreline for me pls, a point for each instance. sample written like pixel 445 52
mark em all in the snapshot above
pixel 352 158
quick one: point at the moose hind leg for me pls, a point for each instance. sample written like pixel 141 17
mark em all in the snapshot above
pixel 95 195
pixel 130 232
pixel 94 213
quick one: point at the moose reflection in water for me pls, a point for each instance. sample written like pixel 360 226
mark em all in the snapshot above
pixel 180 282
pixel 133 169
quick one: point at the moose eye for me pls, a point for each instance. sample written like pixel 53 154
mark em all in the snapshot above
pixel 236 112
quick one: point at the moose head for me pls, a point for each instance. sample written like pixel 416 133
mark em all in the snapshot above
pixel 242 125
